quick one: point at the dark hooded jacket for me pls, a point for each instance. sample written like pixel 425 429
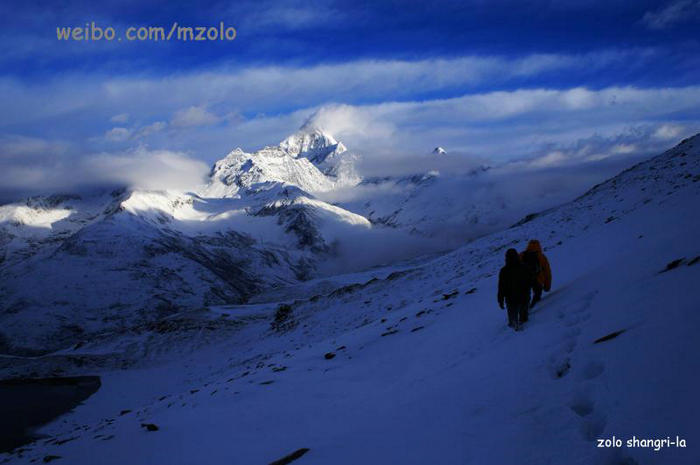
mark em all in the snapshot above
pixel 544 276
pixel 514 281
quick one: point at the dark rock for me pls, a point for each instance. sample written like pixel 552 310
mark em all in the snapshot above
pixel 471 291
pixel 397 274
pixel 150 426
pixel 329 356
pixel 59 442
pixel 50 458
pixel 287 459
pixel 526 219
pixel 449 295
pixel 672 265
pixel 607 337
pixel 341 291
pixel 283 321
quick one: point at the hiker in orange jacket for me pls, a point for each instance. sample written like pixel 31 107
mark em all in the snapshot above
pixel 537 263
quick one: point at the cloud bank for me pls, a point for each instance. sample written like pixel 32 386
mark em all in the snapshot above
pixel 392 112
pixel 34 166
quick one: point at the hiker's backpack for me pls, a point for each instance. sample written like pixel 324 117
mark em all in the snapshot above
pixel 532 262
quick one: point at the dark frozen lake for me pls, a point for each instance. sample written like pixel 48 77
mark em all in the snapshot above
pixel 28 403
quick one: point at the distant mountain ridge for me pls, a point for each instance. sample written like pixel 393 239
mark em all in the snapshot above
pixel 125 258
pixel 74 265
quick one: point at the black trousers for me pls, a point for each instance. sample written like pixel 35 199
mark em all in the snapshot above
pixel 517 313
pixel 536 293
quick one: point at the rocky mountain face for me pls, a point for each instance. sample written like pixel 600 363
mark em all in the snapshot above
pixel 80 264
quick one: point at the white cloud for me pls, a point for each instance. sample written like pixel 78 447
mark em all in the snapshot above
pixel 120 118
pixel 118 134
pixel 224 108
pixel 497 124
pixel 556 157
pixel 32 165
pixel 150 129
pixel 347 121
pixel 630 142
pixel 146 169
pixel 23 148
pixel 265 88
pixel 194 116
pixel 674 12
pixel 669 131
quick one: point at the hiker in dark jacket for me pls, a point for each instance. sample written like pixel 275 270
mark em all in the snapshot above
pixel 514 282
pixel 536 262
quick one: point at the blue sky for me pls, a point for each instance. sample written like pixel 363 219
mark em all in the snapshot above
pixel 550 81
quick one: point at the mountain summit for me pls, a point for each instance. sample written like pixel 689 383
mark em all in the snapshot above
pixel 310 159
pixel 314 144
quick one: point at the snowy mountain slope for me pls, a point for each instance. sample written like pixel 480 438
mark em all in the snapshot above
pixel 453 207
pixel 76 266
pixel 25 226
pixel 418 367
pixel 124 271
pixel 155 254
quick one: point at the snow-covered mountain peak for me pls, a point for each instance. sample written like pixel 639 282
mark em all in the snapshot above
pixel 311 159
pixel 439 151
pixel 312 143
pixel 242 171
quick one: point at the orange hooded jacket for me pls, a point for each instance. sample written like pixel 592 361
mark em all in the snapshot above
pixel 545 275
